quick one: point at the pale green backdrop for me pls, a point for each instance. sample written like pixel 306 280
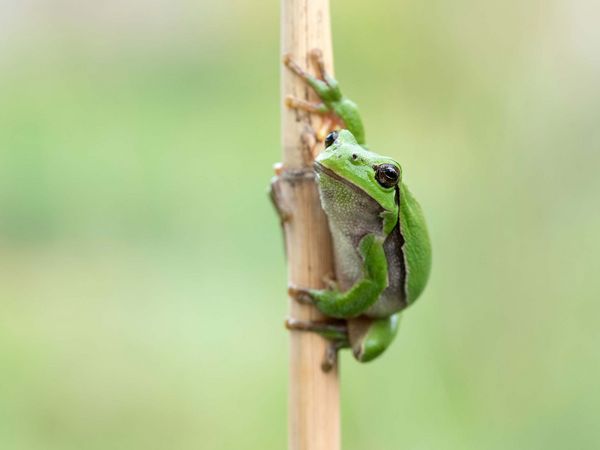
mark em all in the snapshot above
pixel 142 277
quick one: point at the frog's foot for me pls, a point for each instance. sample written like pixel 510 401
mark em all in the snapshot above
pixel 328 122
pixel 294 67
pixel 336 110
pixel 324 85
pixel 331 355
pixel 330 282
pixel 298 103
pixel 301 295
pixel 336 332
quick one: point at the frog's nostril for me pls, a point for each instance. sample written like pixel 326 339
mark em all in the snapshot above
pixel 354 156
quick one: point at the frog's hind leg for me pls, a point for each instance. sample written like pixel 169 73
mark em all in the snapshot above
pixel 335 332
pixel 370 337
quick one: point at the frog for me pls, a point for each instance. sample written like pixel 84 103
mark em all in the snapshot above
pixel 381 245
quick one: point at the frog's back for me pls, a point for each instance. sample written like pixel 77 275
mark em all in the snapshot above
pixel 417 246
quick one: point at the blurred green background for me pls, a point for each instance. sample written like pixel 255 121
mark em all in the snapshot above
pixel 142 280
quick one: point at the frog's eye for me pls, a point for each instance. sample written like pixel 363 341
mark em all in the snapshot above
pixel 387 175
pixel 330 139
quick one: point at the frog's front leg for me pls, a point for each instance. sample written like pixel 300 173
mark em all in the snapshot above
pixel 362 295
pixel 338 111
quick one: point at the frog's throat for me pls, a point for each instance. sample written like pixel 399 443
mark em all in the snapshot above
pixel 390 218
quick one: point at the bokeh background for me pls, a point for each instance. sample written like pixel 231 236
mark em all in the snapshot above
pixel 142 280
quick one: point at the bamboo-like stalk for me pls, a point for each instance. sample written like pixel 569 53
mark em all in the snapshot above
pixel 314 417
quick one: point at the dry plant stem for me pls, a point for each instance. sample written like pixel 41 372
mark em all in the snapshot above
pixel 314 418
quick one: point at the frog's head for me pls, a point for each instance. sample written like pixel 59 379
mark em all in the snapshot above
pixel 344 159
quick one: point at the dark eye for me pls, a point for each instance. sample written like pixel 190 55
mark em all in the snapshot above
pixel 330 139
pixel 387 175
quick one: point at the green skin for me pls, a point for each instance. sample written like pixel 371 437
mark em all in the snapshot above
pixel 381 244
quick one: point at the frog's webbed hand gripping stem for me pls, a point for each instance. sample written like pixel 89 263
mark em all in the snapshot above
pixel 337 110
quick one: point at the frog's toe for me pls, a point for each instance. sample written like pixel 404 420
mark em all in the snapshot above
pixel 303 105
pixel 330 282
pixel 317 56
pixel 300 295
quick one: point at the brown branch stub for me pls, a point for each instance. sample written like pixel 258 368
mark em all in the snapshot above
pixel 313 393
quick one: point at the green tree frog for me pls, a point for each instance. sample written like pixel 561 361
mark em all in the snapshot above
pixel 382 251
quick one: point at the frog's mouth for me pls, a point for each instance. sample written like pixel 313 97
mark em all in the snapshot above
pixel 322 170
